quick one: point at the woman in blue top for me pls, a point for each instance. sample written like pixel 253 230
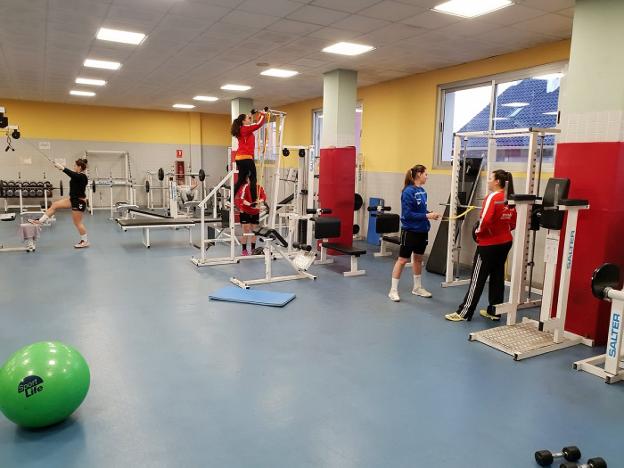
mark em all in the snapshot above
pixel 414 230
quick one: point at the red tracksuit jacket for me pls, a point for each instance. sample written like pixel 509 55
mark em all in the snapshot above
pixel 497 221
pixel 243 199
pixel 247 139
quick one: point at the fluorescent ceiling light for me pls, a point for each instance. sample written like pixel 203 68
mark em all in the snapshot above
pixel 348 48
pixel 125 37
pixel 206 98
pixel 550 113
pixel 90 81
pixel 471 8
pixel 183 106
pixel 75 92
pixel 501 118
pixel 549 76
pixel 104 64
pixel 235 87
pixel 516 104
pixel 279 73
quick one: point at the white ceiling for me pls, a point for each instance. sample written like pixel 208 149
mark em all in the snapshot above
pixel 195 46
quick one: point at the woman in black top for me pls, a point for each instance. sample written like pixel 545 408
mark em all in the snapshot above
pixel 77 200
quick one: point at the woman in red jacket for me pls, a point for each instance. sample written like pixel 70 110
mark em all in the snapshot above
pixel 493 244
pixel 243 130
pixel 249 212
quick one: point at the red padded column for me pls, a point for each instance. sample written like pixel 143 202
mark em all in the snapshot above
pixel 596 173
pixel 337 188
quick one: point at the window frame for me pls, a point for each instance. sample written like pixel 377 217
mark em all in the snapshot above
pixel 319 110
pixel 493 80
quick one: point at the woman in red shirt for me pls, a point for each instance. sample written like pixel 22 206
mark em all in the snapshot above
pixel 493 244
pixel 249 212
pixel 243 130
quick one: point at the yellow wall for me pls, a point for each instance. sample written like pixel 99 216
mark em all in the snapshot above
pixel 399 118
pixel 94 123
pixel 215 129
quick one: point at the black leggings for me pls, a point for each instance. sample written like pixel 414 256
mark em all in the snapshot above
pixel 489 262
pixel 247 167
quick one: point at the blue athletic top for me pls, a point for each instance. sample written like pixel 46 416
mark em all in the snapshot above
pixel 414 209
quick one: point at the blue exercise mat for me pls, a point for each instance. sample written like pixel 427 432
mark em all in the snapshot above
pixel 252 296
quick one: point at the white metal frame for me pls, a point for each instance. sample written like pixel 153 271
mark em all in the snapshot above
pixel 145 230
pixel 533 174
pixel 124 181
pixel 268 256
pixel 547 326
pixel 609 366
pixel 225 235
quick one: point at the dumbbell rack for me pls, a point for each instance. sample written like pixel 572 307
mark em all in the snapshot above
pixel 24 189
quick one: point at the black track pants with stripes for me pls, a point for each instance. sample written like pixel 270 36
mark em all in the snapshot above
pixel 489 262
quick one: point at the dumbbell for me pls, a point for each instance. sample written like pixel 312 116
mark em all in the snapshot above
pixel 591 463
pixel 546 457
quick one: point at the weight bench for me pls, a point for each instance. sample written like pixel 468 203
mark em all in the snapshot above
pixel 146 224
pixel 352 251
pixel 387 223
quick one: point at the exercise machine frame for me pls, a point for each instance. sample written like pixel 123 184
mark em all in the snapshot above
pixel 533 178
pixel 608 366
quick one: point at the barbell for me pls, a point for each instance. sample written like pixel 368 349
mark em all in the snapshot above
pixel 146 185
pixel 201 174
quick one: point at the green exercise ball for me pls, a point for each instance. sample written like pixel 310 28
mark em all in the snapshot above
pixel 43 384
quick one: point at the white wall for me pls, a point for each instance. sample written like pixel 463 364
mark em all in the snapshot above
pixel 28 161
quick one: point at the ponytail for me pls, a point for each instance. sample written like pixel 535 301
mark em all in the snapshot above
pixel 411 175
pixel 237 124
pixel 505 180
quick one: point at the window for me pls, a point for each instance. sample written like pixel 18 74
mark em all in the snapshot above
pixel 520 100
pixel 317 128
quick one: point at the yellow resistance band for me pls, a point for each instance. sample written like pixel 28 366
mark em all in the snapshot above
pixel 468 210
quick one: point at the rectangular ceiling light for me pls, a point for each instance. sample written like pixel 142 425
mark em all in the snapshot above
pixel 515 104
pixel 348 48
pixel 184 106
pixel 75 92
pixel 104 64
pixel 550 113
pixel 471 8
pixel 90 81
pixel 206 98
pixel 279 73
pixel 235 87
pixel 125 37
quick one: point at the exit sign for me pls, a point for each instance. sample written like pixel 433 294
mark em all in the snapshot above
pixel 179 153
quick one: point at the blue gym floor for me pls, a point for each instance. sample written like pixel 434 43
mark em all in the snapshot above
pixel 340 377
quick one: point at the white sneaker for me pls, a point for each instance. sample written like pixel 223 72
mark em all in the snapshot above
pixel 394 295
pixel 30 246
pixel 81 245
pixel 422 292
